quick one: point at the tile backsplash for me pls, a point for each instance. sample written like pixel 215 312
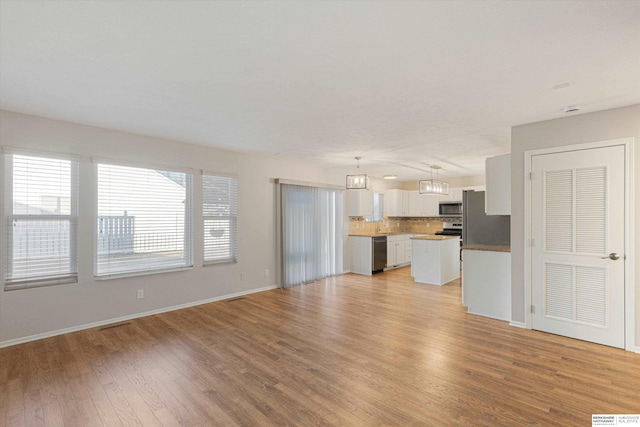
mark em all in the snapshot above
pixel 357 225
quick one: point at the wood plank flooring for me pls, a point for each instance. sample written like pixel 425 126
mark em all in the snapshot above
pixel 347 351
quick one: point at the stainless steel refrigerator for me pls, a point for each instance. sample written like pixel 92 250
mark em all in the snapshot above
pixel 479 228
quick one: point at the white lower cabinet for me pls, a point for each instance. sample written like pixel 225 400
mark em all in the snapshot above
pixel 392 251
pixel 486 283
pixel 360 254
pixel 398 250
pixel 361 250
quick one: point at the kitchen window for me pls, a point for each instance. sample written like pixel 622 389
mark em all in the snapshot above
pixel 378 207
pixel 144 221
pixel 41 214
pixel 220 216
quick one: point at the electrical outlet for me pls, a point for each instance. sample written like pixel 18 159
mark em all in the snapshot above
pixel 140 294
pixel 266 272
pixel 242 277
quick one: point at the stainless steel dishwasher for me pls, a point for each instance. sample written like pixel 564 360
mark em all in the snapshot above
pixel 379 255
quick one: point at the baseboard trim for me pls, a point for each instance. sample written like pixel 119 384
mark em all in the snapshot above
pixel 57 332
pixel 518 324
pixel 484 315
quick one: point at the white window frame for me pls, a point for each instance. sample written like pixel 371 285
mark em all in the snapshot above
pixel 233 240
pixel 9 217
pixel 188 226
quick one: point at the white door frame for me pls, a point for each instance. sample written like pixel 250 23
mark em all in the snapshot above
pixel 629 273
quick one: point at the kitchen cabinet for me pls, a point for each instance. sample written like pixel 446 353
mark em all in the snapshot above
pixel 397 248
pixel 359 203
pixel 423 204
pixel 498 185
pixel 455 195
pixel 360 254
pixel 396 202
pixel 486 283
pixel 415 204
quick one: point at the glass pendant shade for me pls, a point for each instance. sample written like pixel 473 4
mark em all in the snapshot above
pixel 358 182
pixel 433 186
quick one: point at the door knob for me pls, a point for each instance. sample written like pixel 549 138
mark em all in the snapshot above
pixel 614 256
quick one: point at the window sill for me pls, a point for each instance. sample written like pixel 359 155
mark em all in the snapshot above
pixel 140 273
pixel 39 283
pixel 226 261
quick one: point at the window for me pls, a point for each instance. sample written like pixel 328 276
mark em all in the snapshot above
pixel 41 211
pixel 144 220
pixel 378 207
pixel 220 215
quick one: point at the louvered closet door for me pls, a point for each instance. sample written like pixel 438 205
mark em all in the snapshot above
pixel 577 221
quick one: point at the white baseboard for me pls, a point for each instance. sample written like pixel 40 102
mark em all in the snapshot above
pixel 49 334
pixel 518 324
pixel 484 315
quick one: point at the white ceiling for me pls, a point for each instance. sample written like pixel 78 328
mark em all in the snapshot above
pixel 402 84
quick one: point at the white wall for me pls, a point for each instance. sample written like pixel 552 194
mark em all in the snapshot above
pixel 29 312
pixel 600 126
pixel 381 185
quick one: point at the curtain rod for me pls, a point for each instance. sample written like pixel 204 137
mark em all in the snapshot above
pixel 307 184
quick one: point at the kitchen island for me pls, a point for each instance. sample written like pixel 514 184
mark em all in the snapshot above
pixel 435 260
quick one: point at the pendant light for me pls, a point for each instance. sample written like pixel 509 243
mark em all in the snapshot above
pixel 433 186
pixel 358 181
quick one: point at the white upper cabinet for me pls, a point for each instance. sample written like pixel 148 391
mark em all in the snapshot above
pixel 497 197
pixel 423 204
pixel 360 203
pixel 415 204
pixel 396 202
pixel 455 195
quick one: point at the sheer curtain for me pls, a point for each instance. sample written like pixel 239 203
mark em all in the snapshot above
pixel 311 233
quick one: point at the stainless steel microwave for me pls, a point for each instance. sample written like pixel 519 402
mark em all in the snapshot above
pixel 450 209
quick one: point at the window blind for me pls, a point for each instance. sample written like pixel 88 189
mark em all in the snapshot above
pixel 311 221
pixel 41 211
pixel 144 222
pixel 220 215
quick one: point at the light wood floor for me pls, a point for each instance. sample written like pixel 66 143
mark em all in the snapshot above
pixel 348 351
